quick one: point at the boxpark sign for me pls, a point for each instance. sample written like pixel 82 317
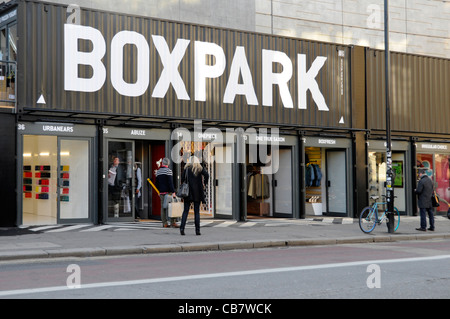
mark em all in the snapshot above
pixel 171 76
pixel 106 62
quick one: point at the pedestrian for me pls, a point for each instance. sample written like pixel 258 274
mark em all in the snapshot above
pixel 115 185
pixel 164 183
pixel 196 176
pixel 424 191
pixel 138 195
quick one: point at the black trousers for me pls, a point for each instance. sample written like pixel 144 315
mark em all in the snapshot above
pixel 423 217
pixel 187 204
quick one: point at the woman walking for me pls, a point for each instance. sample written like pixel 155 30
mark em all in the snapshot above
pixel 194 172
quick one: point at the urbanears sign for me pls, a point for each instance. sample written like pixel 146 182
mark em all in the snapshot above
pixel 240 78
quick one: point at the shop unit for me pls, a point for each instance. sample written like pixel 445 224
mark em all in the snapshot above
pixel 328 176
pixel 271 176
pixel 401 164
pixel 434 156
pixel 419 125
pixel 136 151
pixel 56 173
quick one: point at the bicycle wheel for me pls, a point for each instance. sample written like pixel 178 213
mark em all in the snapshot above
pixel 367 219
pixel 396 218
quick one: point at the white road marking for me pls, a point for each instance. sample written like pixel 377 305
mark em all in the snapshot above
pixel 226 224
pixel 67 228
pixel 217 275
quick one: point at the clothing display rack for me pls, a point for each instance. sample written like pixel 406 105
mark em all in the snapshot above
pixel 257 190
pixel 313 198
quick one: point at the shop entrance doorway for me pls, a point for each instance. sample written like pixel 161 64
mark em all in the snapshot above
pixel 327 177
pixel 121 180
pixel 270 189
pixel 336 185
pixel 130 164
pixel 223 180
pixel 438 169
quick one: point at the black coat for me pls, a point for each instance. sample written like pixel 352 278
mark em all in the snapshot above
pixel 196 193
pixel 425 190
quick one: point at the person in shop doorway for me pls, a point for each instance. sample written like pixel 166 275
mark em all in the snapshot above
pixel 138 195
pixel 114 185
pixel 196 176
pixel 424 191
pixel 164 183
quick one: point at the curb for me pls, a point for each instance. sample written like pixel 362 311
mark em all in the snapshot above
pixel 218 246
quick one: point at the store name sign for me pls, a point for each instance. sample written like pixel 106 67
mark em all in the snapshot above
pixel 434 146
pixel 57 128
pixel 240 77
pixel 326 141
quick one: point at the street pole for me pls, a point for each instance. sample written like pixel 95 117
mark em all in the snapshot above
pixel 389 172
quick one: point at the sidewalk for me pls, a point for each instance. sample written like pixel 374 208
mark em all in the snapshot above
pixel 147 238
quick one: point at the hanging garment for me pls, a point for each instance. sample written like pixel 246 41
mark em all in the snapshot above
pixel 317 175
pixel 262 186
pixel 252 186
pixel 309 175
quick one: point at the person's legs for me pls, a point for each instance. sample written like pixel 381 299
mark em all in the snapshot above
pixel 423 218
pixel 163 211
pixel 137 202
pixel 187 203
pixel 197 217
pixel 431 217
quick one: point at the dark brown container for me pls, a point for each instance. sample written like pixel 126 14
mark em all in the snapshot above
pixel 420 95
pixel 41 71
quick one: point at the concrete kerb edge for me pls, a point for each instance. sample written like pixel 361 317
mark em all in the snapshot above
pixel 76 252
pixel 150 249
pixel 24 254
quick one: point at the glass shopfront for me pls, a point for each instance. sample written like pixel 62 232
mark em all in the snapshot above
pixel 131 159
pixel 270 175
pixel 56 173
pixel 435 157
pixel 248 177
pixel 328 181
pixel 377 173
pixel 217 154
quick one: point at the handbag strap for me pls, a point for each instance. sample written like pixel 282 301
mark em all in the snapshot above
pixel 186 173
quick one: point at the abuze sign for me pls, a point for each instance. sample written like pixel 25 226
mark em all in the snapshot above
pixel 170 69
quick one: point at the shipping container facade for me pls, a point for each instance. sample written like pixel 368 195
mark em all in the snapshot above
pixel 108 83
pixel 420 98
pixel 237 83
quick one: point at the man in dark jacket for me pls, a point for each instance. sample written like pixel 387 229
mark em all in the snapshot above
pixel 424 191
pixel 164 183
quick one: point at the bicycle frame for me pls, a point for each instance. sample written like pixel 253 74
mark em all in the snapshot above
pixel 375 209
pixel 372 217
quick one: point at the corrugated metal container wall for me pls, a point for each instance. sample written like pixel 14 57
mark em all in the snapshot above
pixel 41 63
pixel 420 93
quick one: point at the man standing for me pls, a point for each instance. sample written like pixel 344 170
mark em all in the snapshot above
pixel 164 183
pixel 138 175
pixel 115 181
pixel 424 191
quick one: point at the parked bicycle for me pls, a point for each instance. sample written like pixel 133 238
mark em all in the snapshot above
pixel 369 217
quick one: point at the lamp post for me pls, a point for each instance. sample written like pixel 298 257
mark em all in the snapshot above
pixel 389 172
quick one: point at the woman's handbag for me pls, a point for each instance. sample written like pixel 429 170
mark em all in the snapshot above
pixel 183 190
pixel 434 199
